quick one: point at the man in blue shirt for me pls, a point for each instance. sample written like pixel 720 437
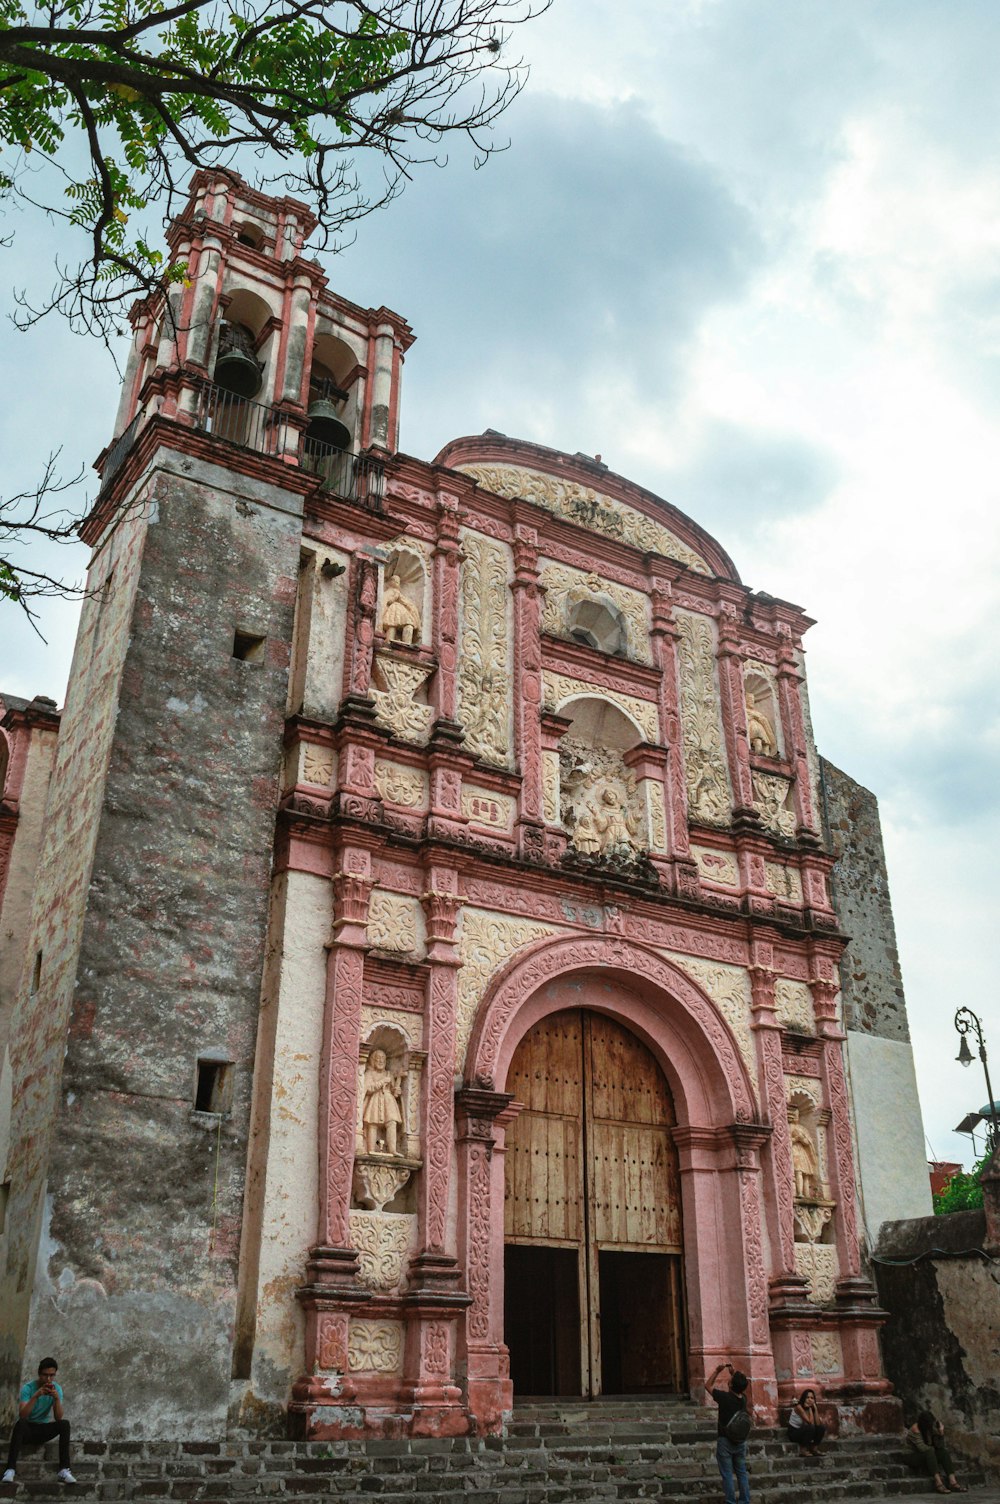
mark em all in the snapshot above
pixel 40 1419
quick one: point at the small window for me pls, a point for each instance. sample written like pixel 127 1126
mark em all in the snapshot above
pixel 4 1202
pixel 36 974
pixel 248 647
pixel 214 1090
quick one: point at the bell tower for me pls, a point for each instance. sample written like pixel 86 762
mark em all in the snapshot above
pixel 253 395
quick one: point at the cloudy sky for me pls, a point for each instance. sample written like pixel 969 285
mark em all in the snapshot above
pixel 749 251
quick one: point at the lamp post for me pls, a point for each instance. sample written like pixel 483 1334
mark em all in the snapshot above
pixel 966 1020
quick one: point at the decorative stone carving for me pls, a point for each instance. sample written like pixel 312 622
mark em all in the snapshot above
pixel 409 1025
pixel 783 882
pixel 396 784
pixel 817 1264
pixel 400 616
pixel 485 808
pixel 487 942
pixel 805 1159
pixel 656 810
pixel 395 696
pixel 395 923
pixel 317 765
pixel 382 1240
pixel 709 794
pixel 730 989
pixel 793 1005
pixel 598 801
pixel 587 508
pixel 566 588
pixel 771 800
pixel 761 699
pixel 381 1111
pixel 803 1086
pixel 375 1346
pixel 827 1355
pixel 550 786
pixel 557 689
pixel 484 681
pixel 377 1181
pixel 717 866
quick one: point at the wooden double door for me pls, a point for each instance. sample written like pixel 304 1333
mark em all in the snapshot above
pixel 593 1281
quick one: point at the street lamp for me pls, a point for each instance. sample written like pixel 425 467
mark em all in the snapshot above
pixel 966 1020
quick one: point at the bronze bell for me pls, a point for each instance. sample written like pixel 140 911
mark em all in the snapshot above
pixel 237 369
pixel 325 424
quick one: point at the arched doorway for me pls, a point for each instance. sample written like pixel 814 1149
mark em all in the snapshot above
pixel 592 1222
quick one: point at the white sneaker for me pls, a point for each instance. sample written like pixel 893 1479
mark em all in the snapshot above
pixel 65 1476
pixel 8 1476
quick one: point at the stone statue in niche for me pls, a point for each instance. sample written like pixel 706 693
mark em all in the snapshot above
pixel 598 802
pixel 759 728
pixel 400 617
pixel 617 826
pixel 805 1160
pixel 381 1114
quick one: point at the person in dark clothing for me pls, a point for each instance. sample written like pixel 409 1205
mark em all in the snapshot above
pixel 40 1419
pixel 804 1426
pixel 731 1455
pixel 925 1438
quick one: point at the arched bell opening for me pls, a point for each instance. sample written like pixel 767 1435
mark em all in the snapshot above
pixel 329 408
pixel 239 367
pixel 593 1261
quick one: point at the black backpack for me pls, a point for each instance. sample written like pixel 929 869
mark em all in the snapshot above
pixel 739 1426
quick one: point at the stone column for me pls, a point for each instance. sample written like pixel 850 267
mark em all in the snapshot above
pixel 663 640
pixel 748 1139
pixel 789 693
pixel 446 585
pixel 824 993
pixel 528 686
pixel 708 1262
pixel 364 599
pixel 553 728
pixel 483 1116
pixel 734 716
pixel 648 764
pixel 381 397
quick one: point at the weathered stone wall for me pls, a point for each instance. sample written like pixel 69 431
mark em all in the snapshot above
pixel 941 1343
pixel 41 1014
pixel 871 980
pixel 136 1285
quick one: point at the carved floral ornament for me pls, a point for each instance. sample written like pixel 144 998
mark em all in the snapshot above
pixel 375 1346
pixel 568 588
pixel 382 1240
pixel 730 989
pixel 587 508
pixel 773 802
pixel 485 677
pixel 395 693
pixel 706 772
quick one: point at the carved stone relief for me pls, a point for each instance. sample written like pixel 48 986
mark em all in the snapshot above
pixel 804 1086
pixel 587 508
pixel 557 689
pixel 761 703
pixel 709 794
pixel 817 1264
pixel 396 923
pixel 793 1005
pixel 485 680
pixel 599 803
pixel 827 1355
pixel 375 1346
pixel 381 1108
pixel 717 866
pixel 400 616
pixel 730 990
pixel 567 588
pixel 317 765
pixel 483 807
pixel 397 685
pixel 409 1025
pixel 783 882
pixel 772 800
pixel 656 814
pixel 486 943
pixel 812 757
pixel 382 1240
pixel 550 786
pixel 400 785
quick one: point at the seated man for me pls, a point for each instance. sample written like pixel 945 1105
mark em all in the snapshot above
pixel 40 1418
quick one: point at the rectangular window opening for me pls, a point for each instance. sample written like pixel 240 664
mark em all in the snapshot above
pixel 4 1200
pixel 214 1091
pixel 248 647
pixel 36 973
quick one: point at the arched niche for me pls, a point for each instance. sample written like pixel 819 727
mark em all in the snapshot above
pixel 4 762
pixel 600 803
pixel 763 718
pixel 596 622
pixel 404 599
pixel 239 330
pixel 249 234
pixel 387 1149
pixel 331 394
pixel 813 1207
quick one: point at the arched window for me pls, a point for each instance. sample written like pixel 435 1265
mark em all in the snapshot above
pixel 597 624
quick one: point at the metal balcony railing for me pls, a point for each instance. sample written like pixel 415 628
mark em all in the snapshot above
pixel 240 421
pixel 357 477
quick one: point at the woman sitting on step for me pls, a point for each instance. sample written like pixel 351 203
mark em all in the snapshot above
pixel 804 1426
pixel 926 1439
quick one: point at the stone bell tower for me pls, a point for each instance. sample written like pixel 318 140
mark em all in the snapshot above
pixel 251 388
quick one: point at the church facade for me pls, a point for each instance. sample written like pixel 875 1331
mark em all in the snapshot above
pixel 433 990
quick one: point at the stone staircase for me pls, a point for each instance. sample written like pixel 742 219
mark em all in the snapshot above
pixel 569 1453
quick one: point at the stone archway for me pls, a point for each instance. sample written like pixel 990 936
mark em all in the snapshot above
pixel 718 1137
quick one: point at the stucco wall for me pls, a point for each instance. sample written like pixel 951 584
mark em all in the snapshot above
pixel 942 1341
pixel 889 1131
pixel 136 1287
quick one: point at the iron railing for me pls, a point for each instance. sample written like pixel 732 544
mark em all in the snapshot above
pixel 253 425
pixel 240 421
pixel 357 477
